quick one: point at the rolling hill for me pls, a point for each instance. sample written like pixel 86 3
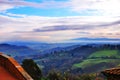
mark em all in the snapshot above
pixel 100 60
pixel 87 58
pixel 14 50
pixel 105 53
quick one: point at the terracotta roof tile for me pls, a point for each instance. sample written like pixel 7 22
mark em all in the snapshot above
pixel 16 66
pixel 115 71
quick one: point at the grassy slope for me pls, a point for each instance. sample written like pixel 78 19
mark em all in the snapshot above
pixel 91 62
pixel 98 54
pixel 105 53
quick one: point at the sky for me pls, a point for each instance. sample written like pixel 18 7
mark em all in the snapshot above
pixel 59 20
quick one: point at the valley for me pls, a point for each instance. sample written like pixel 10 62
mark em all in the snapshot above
pixel 73 58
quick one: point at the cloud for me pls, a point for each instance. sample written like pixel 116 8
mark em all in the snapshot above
pixel 10 4
pixel 77 27
pixel 56 29
pixel 63 27
pixel 111 23
pixel 104 22
pixel 4 20
pixel 98 7
pixel 84 32
pixel 89 7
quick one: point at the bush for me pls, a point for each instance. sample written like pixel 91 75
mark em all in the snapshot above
pixel 54 75
pixel 32 69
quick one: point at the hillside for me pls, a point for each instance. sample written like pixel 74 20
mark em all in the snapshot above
pixel 64 59
pixel 14 50
pixel 76 58
pixel 41 46
pixel 100 59
pixel 105 53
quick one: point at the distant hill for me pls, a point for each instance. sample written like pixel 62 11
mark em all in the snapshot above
pixel 97 39
pixel 41 46
pixel 14 50
pixel 75 58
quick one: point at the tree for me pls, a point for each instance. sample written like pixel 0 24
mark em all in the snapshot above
pixel 54 75
pixel 32 69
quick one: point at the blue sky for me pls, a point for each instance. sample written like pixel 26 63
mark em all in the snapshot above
pixel 54 12
pixel 59 20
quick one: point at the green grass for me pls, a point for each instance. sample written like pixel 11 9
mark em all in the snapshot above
pixel 90 62
pixel 105 53
pixel 98 58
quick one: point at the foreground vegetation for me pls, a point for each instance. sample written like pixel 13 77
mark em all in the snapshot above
pixel 33 70
pixel 80 63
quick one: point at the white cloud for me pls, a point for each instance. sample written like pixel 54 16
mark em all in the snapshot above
pixel 98 7
pixel 92 7
pixel 10 4
pixel 22 27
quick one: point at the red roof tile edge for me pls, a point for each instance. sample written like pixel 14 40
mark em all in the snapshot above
pixel 17 67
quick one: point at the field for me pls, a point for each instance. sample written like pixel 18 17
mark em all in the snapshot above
pixel 103 56
pixel 105 53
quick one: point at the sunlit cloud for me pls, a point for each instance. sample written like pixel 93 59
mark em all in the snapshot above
pixel 10 4
pixel 50 29
pixel 93 7
pixel 98 7
pixel 101 19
